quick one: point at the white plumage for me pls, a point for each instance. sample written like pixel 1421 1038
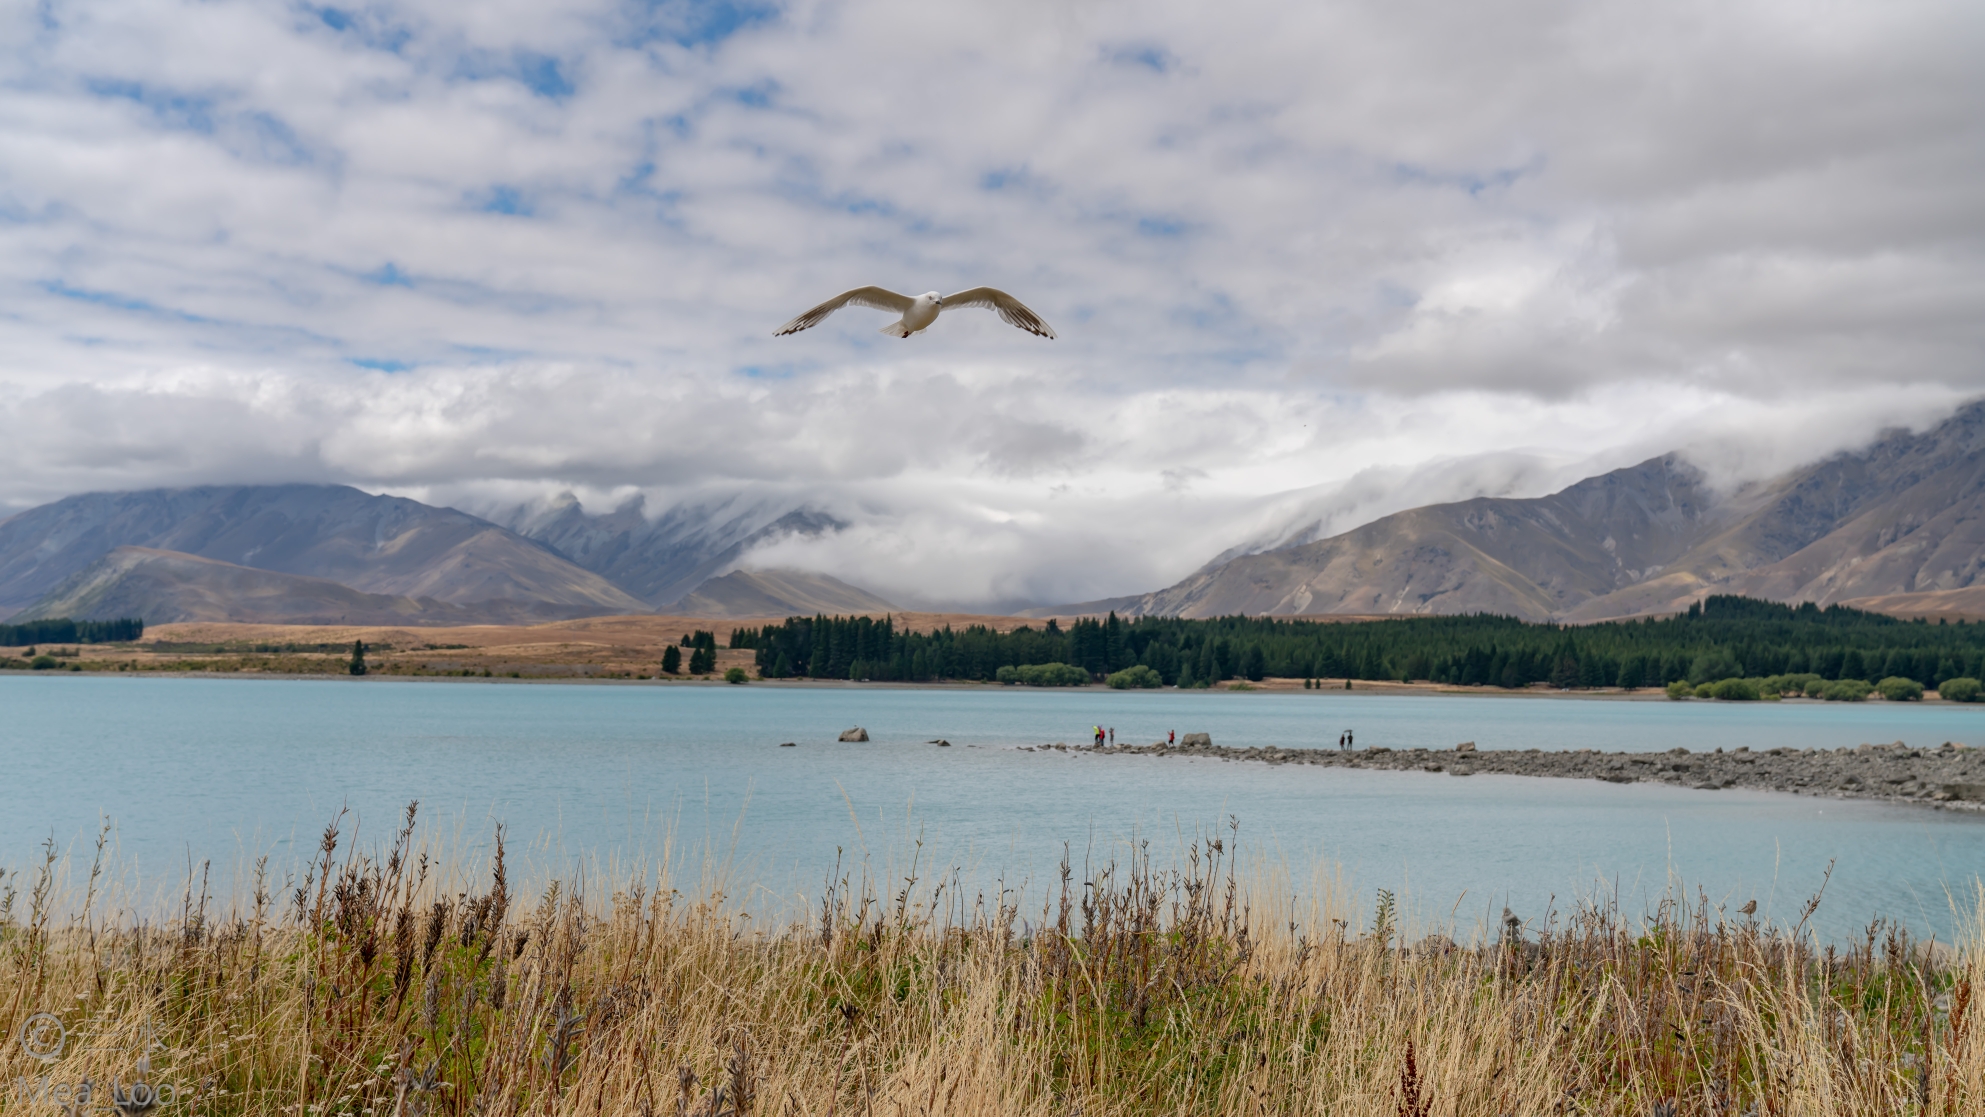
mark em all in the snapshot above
pixel 919 311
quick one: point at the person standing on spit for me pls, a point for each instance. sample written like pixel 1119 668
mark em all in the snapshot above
pixel 1350 741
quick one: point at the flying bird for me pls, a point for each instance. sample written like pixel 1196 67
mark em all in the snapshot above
pixel 920 311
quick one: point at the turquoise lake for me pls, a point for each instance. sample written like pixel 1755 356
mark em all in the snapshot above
pixel 223 769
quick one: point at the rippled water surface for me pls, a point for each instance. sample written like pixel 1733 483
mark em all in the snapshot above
pixel 197 769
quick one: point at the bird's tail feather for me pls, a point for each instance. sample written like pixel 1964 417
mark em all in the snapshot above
pixel 896 329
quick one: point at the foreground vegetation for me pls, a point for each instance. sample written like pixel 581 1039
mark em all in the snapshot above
pixel 385 984
pixel 1724 637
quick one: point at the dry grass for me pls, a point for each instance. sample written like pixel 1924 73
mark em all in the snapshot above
pixel 378 984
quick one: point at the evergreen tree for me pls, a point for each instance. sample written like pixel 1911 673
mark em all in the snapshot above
pixel 1852 666
pixel 1254 665
pixel 357 665
pixel 671 659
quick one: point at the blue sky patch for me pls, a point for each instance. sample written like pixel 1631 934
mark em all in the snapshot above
pixel 177 110
pixel 542 75
pixel 503 199
pixel 757 96
pixel 1475 184
pixel 696 23
pixel 366 27
pixel 378 364
pixel 116 301
pixel 388 275
pixel 1156 59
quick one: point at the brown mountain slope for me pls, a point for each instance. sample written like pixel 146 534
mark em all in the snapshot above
pixel 1897 517
pixel 168 587
pixel 778 593
pixel 374 544
pixel 1907 514
pixel 1527 558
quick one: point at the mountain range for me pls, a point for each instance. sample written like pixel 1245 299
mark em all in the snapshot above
pixel 1902 521
pixel 333 554
pixel 1898 525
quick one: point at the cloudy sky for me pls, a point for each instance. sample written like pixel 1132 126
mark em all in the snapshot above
pixel 1307 260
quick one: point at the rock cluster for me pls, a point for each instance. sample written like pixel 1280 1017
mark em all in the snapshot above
pixel 1949 776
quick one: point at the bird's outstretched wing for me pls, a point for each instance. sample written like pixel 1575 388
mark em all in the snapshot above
pixel 1011 310
pixel 877 297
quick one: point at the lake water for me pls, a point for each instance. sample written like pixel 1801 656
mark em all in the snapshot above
pixel 192 769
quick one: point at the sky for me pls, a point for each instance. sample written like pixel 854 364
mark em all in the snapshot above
pixel 1309 263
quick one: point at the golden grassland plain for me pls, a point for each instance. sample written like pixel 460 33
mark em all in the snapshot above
pixel 386 981
pixel 622 647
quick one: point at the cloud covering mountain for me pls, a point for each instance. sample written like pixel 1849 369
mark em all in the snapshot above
pixel 1311 264
pixel 1885 526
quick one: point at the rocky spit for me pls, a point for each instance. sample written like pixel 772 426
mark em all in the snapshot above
pixel 1951 776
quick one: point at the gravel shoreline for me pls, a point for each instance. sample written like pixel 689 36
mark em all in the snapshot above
pixel 1950 777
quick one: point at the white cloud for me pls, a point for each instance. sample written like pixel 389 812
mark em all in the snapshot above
pixel 1358 255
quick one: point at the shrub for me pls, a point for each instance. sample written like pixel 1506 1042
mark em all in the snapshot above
pixel 1895 688
pixel 1135 678
pixel 734 675
pixel 1847 690
pixel 1734 690
pixel 1787 684
pixel 1960 690
pixel 43 662
pixel 1680 689
pixel 1816 688
pixel 1043 674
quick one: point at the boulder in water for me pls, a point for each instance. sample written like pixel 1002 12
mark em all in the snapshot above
pixel 855 734
pixel 1194 740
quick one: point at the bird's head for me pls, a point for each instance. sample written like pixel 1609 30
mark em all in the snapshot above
pixel 933 297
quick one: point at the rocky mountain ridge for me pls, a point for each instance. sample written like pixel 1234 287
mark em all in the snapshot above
pixel 171 587
pixel 1906 515
pixel 376 545
pixel 335 554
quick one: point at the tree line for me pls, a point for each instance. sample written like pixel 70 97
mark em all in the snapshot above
pixel 1722 637
pixel 62 630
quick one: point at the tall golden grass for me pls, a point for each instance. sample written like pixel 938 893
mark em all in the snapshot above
pixel 376 984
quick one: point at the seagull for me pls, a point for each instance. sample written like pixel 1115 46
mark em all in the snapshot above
pixel 919 312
